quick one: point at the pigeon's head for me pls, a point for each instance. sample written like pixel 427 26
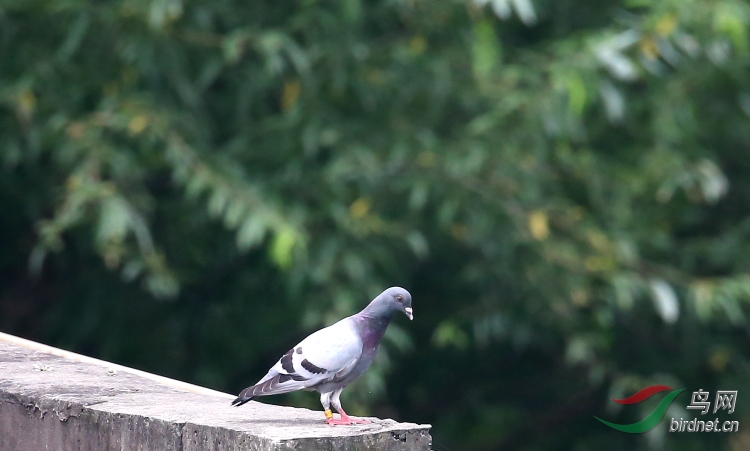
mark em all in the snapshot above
pixel 399 300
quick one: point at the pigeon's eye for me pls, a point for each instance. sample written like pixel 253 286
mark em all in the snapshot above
pixel 399 298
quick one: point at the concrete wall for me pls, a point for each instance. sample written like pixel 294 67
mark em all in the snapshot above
pixel 48 402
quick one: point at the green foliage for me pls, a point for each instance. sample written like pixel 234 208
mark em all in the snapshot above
pixel 190 186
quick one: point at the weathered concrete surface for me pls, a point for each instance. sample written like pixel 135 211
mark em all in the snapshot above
pixel 52 403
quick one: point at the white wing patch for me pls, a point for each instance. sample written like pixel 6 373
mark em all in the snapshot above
pixel 332 349
pixel 324 355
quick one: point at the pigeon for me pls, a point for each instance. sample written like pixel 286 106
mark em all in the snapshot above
pixel 333 357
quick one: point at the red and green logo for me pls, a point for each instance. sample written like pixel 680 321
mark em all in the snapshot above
pixel 654 417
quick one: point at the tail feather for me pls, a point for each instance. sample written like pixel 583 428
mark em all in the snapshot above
pixel 275 385
pixel 244 397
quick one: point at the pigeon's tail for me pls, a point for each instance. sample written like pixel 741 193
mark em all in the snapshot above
pixel 242 399
pixel 273 384
pixel 245 396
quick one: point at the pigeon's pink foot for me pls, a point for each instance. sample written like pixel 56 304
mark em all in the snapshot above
pixel 335 422
pixel 345 419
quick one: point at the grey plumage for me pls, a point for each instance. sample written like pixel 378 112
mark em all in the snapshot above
pixel 330 359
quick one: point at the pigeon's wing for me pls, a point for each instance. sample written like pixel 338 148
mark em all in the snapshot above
pixel 325 355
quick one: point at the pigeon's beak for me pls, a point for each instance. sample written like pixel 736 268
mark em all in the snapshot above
pixel 409 312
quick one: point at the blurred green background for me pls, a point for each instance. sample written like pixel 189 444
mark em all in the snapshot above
pixel 190 187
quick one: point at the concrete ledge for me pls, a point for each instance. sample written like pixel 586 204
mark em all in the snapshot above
pixel 48 402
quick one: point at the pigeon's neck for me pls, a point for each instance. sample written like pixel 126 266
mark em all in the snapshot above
pixel 372 327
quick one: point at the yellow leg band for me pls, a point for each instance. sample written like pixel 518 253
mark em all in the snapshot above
pixel 329 414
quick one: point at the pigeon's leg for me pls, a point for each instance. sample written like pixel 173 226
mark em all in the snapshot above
pixel 325 400
pixel 345 419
